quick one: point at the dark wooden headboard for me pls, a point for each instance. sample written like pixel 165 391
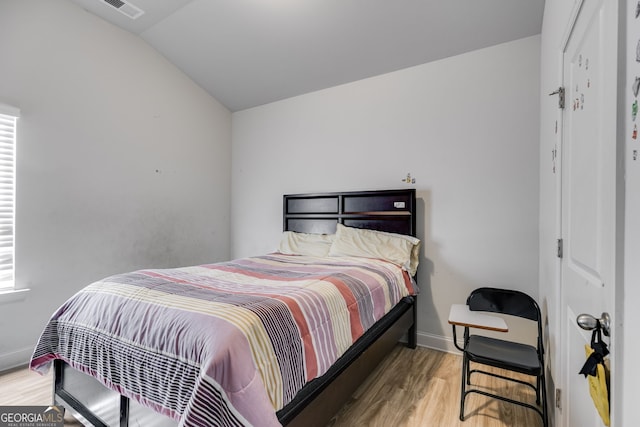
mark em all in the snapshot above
pixel 385 210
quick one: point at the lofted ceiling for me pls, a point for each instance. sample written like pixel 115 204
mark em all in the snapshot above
pixel 247 53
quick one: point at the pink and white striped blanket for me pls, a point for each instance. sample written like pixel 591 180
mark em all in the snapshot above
pixel 221 344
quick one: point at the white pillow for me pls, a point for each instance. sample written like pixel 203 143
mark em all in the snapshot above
pixel 399 249
pixel 309 244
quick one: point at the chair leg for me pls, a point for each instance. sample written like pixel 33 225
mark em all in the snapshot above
pixel 463 374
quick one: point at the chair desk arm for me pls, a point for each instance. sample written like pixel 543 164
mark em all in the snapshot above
pixel 460 315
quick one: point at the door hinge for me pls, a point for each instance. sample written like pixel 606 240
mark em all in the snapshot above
pixel 560 248
pixel 559 398
pixel 560 93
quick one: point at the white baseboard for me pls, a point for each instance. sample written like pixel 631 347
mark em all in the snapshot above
pixel 437 342
pixel 15 358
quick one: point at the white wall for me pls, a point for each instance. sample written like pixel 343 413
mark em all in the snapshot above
pixel 466 127
pixel 626 409
pixel 123 162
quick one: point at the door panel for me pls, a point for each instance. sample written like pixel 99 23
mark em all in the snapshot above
pixel 588 193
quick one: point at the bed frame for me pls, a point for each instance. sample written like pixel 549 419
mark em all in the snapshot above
pixel 318 401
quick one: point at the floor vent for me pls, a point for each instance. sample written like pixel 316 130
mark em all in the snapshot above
pixel 125 8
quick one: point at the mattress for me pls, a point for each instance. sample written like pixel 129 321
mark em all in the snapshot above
pixel 221 344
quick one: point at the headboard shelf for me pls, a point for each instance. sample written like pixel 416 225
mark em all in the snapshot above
pixel 383 213
pixel 384 210
pixel 348 215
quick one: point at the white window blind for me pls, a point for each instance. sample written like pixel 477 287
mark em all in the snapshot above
pixel 8 119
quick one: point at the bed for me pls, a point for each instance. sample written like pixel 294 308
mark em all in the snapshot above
pixel 126 387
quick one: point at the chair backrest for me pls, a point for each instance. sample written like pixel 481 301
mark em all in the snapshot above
pixel 505 301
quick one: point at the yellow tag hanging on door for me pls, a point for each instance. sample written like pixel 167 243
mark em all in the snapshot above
pixel 598 389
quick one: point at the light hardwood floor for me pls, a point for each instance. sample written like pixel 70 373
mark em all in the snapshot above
pixel 411 388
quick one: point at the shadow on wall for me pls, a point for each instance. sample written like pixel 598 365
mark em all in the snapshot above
pixel 426 267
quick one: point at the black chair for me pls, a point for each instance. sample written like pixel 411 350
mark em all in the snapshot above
pixel 498 353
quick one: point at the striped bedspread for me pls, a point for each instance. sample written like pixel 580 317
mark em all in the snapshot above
pixel 221 344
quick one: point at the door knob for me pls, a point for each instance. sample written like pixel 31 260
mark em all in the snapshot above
pixel 589 323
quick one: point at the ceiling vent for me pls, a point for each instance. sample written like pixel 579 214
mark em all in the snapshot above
pixel 125 8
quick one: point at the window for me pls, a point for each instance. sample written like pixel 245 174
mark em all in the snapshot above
pixel 8 119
